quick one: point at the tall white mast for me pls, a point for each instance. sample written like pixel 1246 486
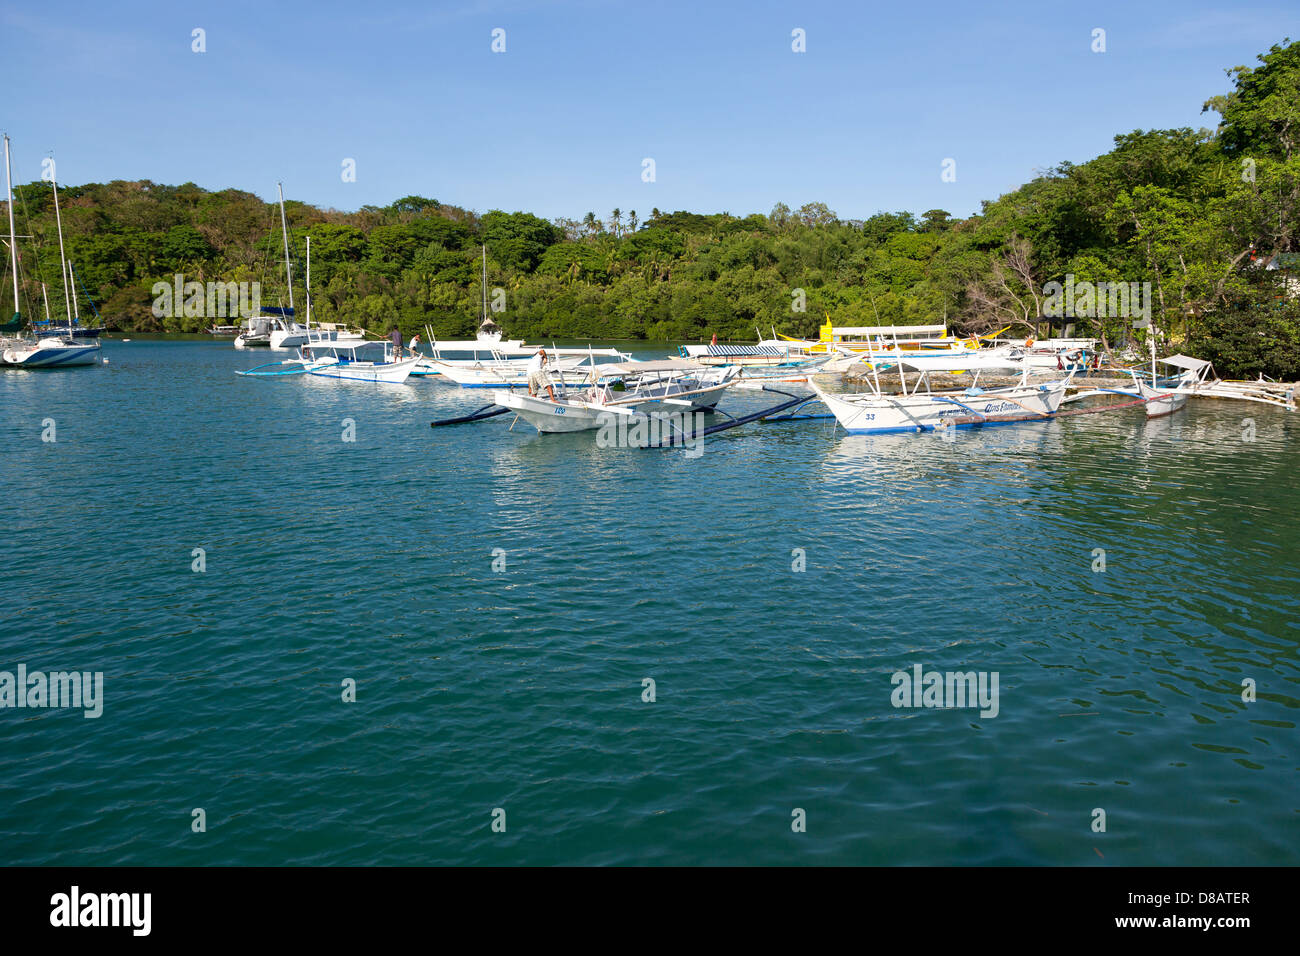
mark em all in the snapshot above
pixel 13 238
pixel 284 227
pixel 309 283
pixel 63 262
pixel 485 315
pixel 76 312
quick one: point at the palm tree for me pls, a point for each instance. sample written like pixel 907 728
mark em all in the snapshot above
pixel 591 224
pixel 615 220
pixel 631 221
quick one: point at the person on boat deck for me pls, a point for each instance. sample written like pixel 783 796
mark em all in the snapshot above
pixel 538 378
pixel 396 337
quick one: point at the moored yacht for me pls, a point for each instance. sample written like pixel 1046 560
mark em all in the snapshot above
pixel 48 351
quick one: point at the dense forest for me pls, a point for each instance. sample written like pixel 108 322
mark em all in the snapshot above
pixel 1208 218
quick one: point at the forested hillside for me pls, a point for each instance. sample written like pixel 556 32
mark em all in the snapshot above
pixel 1197 214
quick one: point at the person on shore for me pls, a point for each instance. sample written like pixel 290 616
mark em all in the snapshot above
pixel 538 378
pixel 395 337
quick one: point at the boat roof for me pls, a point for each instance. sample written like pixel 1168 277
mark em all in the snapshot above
pixel 1185 361
pixel 729 351
pixel 347 345
pixel 608 353
pixel 654 365
pixel 902 331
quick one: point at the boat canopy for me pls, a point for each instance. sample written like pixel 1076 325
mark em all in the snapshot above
pixel 347 349
pixel 654 365
pixel 276 310
pixel 735 351
pixel 906 332
pixel 1185 361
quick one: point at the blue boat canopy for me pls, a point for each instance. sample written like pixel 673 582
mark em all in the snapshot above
pixel 276 310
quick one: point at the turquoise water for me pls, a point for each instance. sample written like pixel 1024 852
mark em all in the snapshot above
pixel 522 689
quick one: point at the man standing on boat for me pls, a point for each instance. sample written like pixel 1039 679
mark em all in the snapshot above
pixel 538 378
pixel 396 337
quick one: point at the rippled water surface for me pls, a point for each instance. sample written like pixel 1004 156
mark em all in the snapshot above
pixel 1119 690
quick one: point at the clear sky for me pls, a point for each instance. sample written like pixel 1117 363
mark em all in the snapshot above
pixel 561 122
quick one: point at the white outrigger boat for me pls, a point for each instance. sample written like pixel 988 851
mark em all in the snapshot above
pixel 863 338
pixel 769 362
pixel 567 367
pixel 1169 396
pixel 490 361
pixel 996 361
pixel 793 373
pixel 1278 394
pixel 765 353
pixel 655 389
pixel 1059 354
pixel 356 362
pixel 368 361
pixel 878 411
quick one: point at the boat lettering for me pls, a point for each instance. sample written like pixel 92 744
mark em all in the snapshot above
pixel 1000 406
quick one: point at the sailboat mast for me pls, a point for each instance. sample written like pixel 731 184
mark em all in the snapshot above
pixel 13 238
pixel 308 287
pixel 63 262
pixel 284 228
pixel 76 312
pixel 485 315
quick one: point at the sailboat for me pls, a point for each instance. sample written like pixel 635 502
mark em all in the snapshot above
pixel 276 328
pixel 48 351
pixel 352 359
pixel 73 329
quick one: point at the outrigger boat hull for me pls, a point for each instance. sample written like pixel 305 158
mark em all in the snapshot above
pixel 1162 401
pixel 576 415
pixel 392 373
pixel 661 389
pixel 869 414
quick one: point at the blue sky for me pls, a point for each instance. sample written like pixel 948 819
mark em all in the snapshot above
pixel 560 122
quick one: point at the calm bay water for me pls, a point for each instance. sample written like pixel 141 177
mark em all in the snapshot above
pixel 522 689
